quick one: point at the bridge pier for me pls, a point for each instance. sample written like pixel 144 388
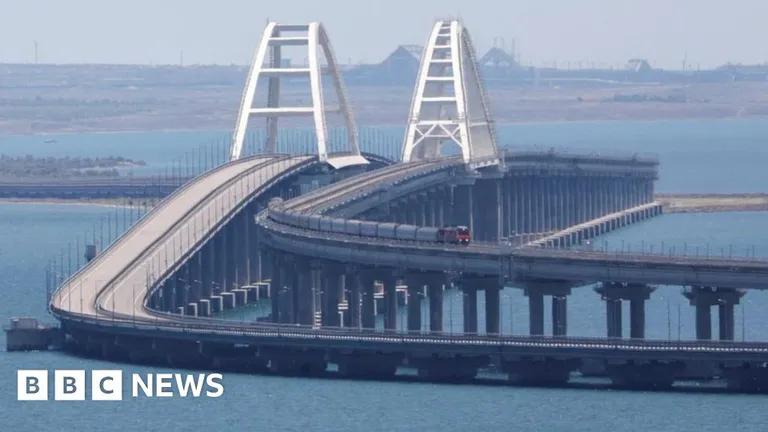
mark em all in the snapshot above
pixel 703 298
pixel 368 307
pixel 305 292
pixel 353 286
pixel 613 293
pixel 331 293
pixel 535 290
pixel 390 301
pixel 435 294
pixel 491 286
pixel 469 305
pixel 415 283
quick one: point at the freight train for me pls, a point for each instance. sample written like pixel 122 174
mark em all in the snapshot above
pixel 384 230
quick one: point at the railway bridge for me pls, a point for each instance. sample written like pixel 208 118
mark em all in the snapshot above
pixel 332 240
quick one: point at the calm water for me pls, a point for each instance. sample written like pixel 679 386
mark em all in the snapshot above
pixel 30 235
pixel 696 155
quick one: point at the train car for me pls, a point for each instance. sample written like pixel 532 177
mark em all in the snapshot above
pixel 406 232
pixel 325 224
pixel 314 222
pixel 277 215
pixel 292 218
pixel 427 234
pixel 303 220
pixel 352 227
pixel 338 225
pixel 454 235
pixel 369 229
pixel 387 230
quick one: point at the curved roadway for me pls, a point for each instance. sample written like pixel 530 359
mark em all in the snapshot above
pixel 114 283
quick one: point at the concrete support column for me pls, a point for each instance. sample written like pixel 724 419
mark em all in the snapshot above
pixel 197 276
pixel 703 298
pixel 435 292
pixel 613 293
pixel 414 305
pixel 637 318
pixel 559 315
pixel 331 293
pixel 536 313
pixel 559 290
pixel 725 312
pixel 206 270
pixel 469 305
pixel 491 286
pixel 390 300
pixel 287 293
pixel 492 307
pixel 276 284
pixel 703 321
pixel 613 317
pixel 367 308
pixel 305 311
pixel 353 285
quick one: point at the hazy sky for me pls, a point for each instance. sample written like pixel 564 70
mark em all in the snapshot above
pixel 710 32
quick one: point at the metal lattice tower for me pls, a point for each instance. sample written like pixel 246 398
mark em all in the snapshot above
pixel 268 63
pixel 449 103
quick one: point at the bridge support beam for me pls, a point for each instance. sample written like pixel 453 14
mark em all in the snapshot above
pixel 703 298
pixel 613 293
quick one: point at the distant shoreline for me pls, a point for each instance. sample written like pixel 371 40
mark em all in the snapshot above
pixel 112 202
pixel 712 203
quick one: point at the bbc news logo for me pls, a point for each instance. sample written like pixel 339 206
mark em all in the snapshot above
pixel 107 385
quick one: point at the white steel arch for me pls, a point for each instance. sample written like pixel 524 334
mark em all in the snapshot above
pixel 268 63
pixel 449 102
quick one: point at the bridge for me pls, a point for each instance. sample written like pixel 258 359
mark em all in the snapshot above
pixel 332 240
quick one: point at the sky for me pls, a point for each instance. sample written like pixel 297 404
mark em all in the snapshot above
pixel 568 33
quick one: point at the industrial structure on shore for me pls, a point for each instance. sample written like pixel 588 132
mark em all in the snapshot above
pixel 335 238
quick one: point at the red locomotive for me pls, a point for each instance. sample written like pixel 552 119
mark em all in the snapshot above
pixel 455 235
